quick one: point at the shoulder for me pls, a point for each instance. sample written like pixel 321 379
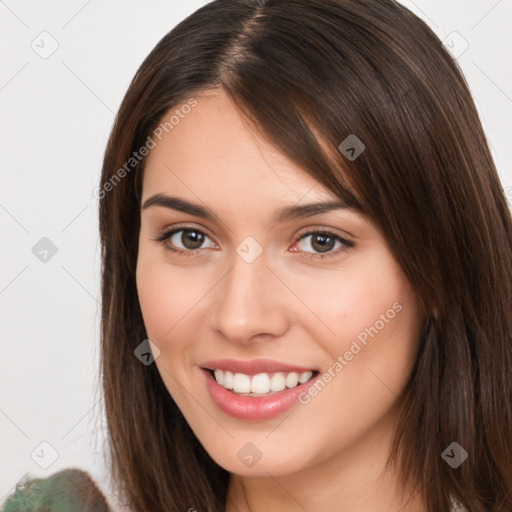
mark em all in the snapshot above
pixel 68 490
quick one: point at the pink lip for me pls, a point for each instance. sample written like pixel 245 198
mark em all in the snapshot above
pixel 253 408
pixel 253 366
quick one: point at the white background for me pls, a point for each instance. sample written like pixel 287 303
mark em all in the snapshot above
pixel 56 117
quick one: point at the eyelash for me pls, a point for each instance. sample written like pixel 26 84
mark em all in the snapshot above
pixel 165 235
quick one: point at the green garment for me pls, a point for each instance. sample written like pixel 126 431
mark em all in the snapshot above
pixel 70 490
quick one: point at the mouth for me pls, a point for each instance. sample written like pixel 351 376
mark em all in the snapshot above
pixel 261 384
pixel 258 389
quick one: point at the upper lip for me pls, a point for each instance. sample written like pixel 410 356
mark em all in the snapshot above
pixel 253 366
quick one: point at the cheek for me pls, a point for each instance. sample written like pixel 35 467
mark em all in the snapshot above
pixel 169 305
pixel 367 316
pixel 345 303
pixel 168 296
pixel 157 304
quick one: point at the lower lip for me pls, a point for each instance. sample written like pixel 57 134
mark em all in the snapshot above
pixel 253 408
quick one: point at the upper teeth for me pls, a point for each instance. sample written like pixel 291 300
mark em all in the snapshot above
pixel 262 382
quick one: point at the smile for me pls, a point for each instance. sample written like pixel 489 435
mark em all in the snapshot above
pixel 258 389
pixel 261 383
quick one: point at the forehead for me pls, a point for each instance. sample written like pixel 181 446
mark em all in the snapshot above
pixel 212 152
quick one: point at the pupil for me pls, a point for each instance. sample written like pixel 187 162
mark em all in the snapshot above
pixel 322 243
pixel 192 239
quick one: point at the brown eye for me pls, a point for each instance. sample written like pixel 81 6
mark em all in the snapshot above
pixel 185 240
pixel 192 239
pixel 322 244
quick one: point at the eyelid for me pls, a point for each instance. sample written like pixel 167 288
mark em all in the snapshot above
pixel 346 243
pixel 168 230
pixel 164 236
pixel 321 228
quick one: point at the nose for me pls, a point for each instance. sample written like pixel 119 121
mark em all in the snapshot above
pixel 249 303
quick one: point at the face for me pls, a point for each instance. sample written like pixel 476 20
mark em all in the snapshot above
pixel 285 334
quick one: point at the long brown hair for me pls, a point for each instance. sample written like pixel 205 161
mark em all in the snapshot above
pixel 299 70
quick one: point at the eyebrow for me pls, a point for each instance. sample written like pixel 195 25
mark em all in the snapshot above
pixel 285 214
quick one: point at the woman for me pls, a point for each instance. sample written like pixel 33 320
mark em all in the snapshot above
pixel 307 270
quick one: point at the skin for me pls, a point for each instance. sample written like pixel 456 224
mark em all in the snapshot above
pixel 288 305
